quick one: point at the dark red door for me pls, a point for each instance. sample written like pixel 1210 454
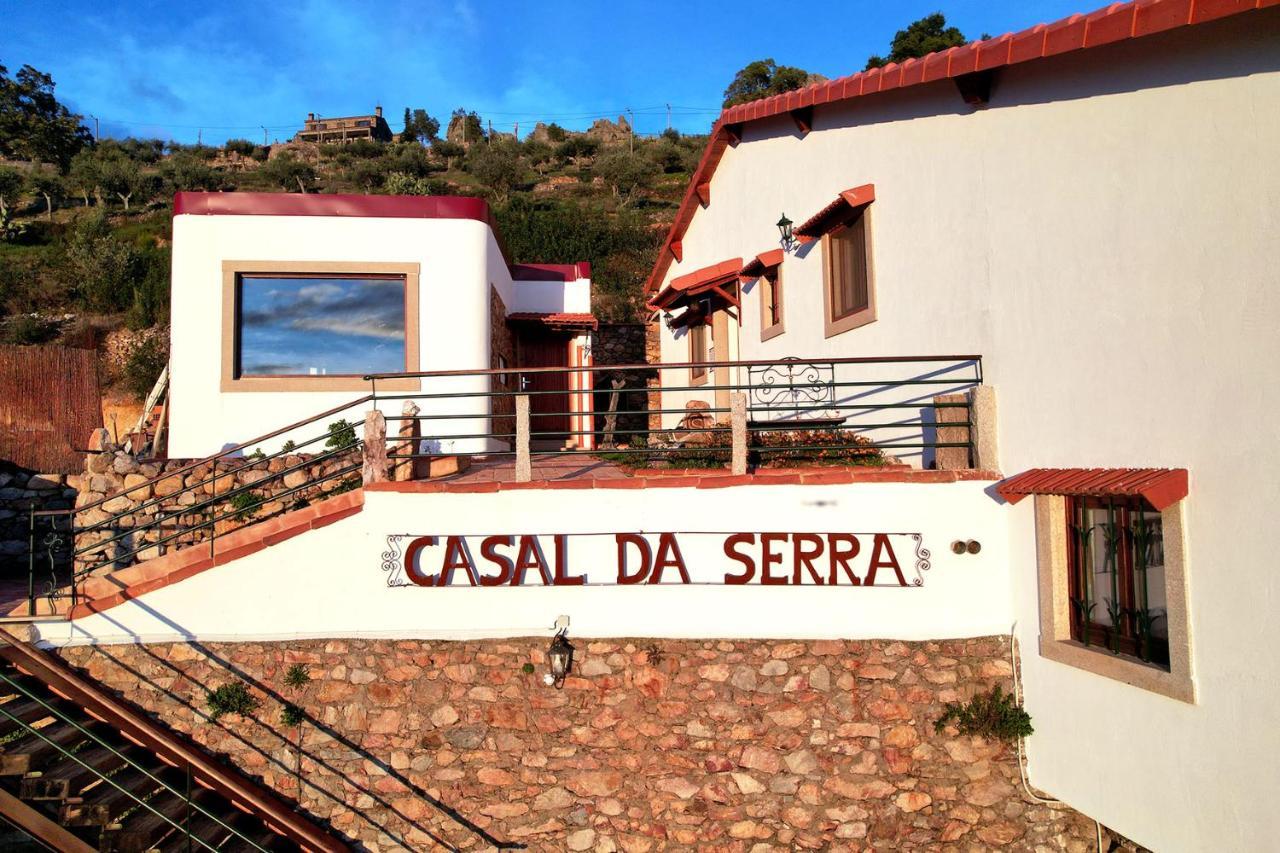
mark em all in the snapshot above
pixel 548 412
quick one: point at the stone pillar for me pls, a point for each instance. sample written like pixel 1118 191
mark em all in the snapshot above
pixel 738 425
pixel 374 469
pixel 982 411
pixel 524 464
pixel 951 458
pixel 408 443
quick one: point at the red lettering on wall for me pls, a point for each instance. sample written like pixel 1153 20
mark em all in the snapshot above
pixel 802 556
pixel 411 567
pixel 531 557
pixel 768 558
pixel 668 555
pixel 563 578
pixel 882 544
pixel 456 556
pixel 488 550
pixel 748 565
pixel 646 558
pixel 840 557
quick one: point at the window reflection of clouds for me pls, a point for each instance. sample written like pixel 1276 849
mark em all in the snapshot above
pixel 328 326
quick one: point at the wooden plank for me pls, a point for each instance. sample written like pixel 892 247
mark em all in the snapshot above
pixel 38 826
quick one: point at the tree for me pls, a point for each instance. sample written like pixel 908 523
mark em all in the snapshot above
pixel 498 167
pixel 243 147
pixel 11 183
pixel 419 127
pixel 450 151
pixel 763 78
pixel 626 173
pixel 122 177
pixel 101 270
pixel 927 35
pixel 369 174
pixel 33 125
pixel 556 133
pixel 186 171
pixel 538 154
pixel 49 186
pixel 288 172
pixel 578 148
pixel 85 176
pixel 400 183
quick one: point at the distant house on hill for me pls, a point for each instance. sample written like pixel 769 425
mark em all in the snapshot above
pixel 345 129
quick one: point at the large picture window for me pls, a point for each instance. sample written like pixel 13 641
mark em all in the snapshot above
pixel 310 326
pixel 315 325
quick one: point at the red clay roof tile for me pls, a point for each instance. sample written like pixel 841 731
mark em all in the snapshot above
pixel 1160 486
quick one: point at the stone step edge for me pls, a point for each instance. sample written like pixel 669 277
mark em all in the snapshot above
pixel 179 565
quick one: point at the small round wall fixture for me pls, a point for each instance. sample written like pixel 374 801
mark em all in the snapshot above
pixel 559 659
pixel 958 547
pixel 973 546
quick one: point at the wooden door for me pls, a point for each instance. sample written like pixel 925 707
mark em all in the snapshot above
pixel 548 412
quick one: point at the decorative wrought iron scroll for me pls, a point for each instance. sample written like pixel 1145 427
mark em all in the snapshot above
pixel 393 563
pixel 922 559
pixel 792 390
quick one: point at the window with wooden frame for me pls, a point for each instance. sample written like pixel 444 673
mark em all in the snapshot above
pixel 771 303
pixel 848 285
pixel 1116 576
pixel 313 326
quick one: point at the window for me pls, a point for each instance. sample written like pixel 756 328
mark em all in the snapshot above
pixel 771 303
pixel 848 292
pixel 318 326
pixel 1113 595
pixel 504 379
pixel 1115 553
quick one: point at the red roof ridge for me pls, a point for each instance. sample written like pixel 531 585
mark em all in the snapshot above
pixel 1109 24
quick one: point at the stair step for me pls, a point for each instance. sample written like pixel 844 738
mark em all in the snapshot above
pixel 136 785
pixel 32 751
pixel 147 826
pixel 37 788
pixel 100 760
pixel 27 711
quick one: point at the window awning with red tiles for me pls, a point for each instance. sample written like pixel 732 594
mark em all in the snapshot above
pixel 761 264
pixel 1161 487
pixel 556 321
pixel 712 278
pixel 835 213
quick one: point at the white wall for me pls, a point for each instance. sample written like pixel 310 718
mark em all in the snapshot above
pixel 1105 235
pixel 572 297
pixel 330 582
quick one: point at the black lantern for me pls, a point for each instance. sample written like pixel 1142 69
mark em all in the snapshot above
pixel 784 228
pixel 559 658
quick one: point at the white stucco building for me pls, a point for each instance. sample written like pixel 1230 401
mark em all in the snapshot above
pixel 282 303
pixel 1093 207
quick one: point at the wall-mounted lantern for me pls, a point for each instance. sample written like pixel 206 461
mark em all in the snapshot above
pixel 667 317
pixel 559 659
pixel 784 228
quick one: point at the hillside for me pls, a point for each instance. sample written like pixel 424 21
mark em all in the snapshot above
pixel 84 254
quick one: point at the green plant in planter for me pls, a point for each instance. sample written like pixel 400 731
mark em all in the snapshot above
pixel 992 715
pixel 342 434
pixel 231 698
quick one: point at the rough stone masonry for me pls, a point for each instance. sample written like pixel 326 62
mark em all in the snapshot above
pixel 651 745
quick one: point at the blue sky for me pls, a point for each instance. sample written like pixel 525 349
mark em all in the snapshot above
pixel 173 70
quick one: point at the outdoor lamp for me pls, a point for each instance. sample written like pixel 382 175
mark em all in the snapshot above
pixel 559 659
pixel 667 318
pixel 784 228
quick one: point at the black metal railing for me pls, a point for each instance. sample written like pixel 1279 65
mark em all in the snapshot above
pixel 834 411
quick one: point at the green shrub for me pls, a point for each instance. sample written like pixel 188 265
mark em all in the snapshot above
pixel 291 715
pixel 297 677
pixel 144 365
pixel 992 715
pixel 244 503
pixel 342 434
pixel 232 698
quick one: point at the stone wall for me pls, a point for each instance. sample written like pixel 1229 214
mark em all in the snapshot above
pixel 115 474
pixel 20 492
pixel 651 745
pixel 621 343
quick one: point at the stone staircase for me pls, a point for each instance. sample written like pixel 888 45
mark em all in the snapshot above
pixel 81 771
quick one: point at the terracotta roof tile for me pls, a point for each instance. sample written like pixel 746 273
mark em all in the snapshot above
pixel 1160 486
pixel 555 319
